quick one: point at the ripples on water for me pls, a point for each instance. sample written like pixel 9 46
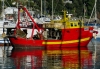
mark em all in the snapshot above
pixel 8 62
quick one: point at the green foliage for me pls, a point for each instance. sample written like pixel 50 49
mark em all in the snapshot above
pixel 98 6
pixel 90 5
pixel 57 6
pixel 76 8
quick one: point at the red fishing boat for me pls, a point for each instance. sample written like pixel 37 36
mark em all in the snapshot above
pixel 60 38
pixel 64 32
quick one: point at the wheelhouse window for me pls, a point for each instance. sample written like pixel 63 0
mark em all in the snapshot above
pixel 71 24
pixel 75 24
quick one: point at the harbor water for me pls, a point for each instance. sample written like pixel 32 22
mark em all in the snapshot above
pixel 93 46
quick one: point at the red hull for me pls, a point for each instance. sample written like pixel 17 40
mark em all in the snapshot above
pixel 20 42
pixel 68 40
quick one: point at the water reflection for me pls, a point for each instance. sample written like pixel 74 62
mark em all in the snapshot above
pixel 53 59
pixel 7 63
pixel 94 46
pixel 30 62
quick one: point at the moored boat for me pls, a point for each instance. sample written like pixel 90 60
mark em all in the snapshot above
pixel 68 32
pixel 57 41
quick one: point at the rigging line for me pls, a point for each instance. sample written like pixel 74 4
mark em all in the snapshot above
pixel 8 4
pixel 91 13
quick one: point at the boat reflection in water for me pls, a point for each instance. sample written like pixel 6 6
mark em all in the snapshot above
pixel 55 59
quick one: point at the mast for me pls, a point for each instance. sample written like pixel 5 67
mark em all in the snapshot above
pixel 41 7
pixel 52 9
pixel 95 53
pixel 3 10
pixel 84 11
pixel 95 10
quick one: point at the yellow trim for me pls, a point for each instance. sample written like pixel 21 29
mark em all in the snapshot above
pixel 67 42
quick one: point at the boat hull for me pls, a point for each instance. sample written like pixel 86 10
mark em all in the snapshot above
pixel 48 44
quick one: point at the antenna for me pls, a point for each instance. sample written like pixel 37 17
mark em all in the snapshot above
pixel 95 10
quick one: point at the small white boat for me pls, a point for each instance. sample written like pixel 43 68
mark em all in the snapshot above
pixel 96 28
pixel 6 22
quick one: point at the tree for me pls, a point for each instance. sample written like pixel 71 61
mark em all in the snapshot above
pixel 98 9
pixel 57 6
pixel 98 5
pixel 90 5
pixel 76 8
